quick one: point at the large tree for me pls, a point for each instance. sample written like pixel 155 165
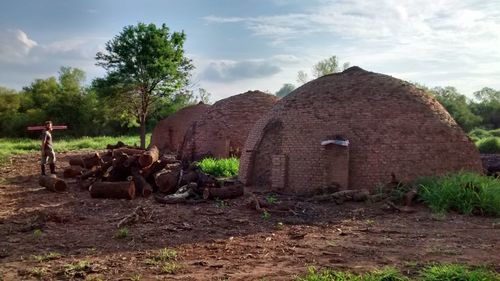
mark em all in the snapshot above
pixel 146 63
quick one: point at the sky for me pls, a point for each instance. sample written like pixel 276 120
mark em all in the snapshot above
pixel 241 45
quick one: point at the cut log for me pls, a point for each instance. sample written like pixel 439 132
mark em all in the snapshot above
pixel 86 162
pixel 142 186
pixel 73 172
pixel 115 190
pixel 167 180
pixel 52 183
pixel 226 192
pixel 151 170
pixel 131 161
pixel 181 196
pixel 128 151
pixel 149 157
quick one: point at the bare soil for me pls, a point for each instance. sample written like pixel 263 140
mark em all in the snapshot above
pixel 219 240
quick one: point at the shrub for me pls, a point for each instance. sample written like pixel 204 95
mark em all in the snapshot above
pixel 227 167
pixel 489 145
pixel 479 133
pixel 464 192
pixel 386 274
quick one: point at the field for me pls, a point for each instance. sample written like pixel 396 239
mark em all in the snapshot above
pixel 69 236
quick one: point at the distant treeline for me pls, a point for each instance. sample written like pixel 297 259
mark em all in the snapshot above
pixel 87 111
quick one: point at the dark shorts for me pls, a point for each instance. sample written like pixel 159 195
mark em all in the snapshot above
pixel 48 156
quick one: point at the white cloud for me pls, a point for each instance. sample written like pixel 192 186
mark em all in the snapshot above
pixel 226 70
pixel 15 44
pixel 430 41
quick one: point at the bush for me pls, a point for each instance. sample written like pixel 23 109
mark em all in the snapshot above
pixel 479 133
pixel 466 193
pixel 489 145
pixel 220 167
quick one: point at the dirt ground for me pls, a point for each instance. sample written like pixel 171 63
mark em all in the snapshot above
pixel 219 240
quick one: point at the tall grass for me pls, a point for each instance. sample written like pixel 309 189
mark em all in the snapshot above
pixel 10 147
pixel 466 193
pixel 227 167
pixel 439 272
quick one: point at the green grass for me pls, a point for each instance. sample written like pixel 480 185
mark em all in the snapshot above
pixel 466 193
pixel 227 167
pixel 122 233
pixel 10 147
pixel 47 257
pixel 443 272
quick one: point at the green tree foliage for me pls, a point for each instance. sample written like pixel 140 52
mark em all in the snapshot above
pixel 285 90
pixel 458 106
pixel 488 107
pixel 324 67
pixel 145 63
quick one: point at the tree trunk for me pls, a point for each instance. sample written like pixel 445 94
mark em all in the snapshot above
pixel 143 131
pixel 226 192
pixel 148 157
pixel 52 183
pixel 116 190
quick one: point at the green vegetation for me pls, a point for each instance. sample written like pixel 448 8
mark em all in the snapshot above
pixel 122 233
pixel 164 255
pixel 47 257
pixel 78 269
pixel 37 233
pixel 486 141
pixel 445 272
pixel 10 147
pixel 452 272
pixel 220 167
pixel 466 193
pixel 170 267
pixel 386 274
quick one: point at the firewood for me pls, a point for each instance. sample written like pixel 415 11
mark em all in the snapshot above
pixel 151 170
pixel 128 151
pixel 225 192
pixel 131 161
pixel 116 190
pixel 73 171
pixel 52 183
pixel 166 180
pixel 86 162
pixel 148 157
pixel 142 187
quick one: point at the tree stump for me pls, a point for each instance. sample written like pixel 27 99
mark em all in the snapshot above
pixel 52 183
pixel 115 190
pixel 148 157
pixel 225 192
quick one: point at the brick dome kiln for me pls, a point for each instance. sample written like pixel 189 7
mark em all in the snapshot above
pixel 222 130
pixel 169 132
pixel 391 128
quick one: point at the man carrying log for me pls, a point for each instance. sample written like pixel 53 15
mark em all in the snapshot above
pixel 48 154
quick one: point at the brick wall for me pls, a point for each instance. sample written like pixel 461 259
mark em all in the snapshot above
pixel 222 130
pixel 392 126
pixel 169 132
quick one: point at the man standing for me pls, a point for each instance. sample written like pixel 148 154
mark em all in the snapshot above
pixel 48 154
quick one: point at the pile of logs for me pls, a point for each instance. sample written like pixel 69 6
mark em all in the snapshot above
pixel 125 172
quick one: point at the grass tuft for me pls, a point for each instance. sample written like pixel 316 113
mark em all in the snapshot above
pixel 466 193
pixel 386 274
pixel 122 233
pixel 454 272
pixel 47 257
pixel 227 167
